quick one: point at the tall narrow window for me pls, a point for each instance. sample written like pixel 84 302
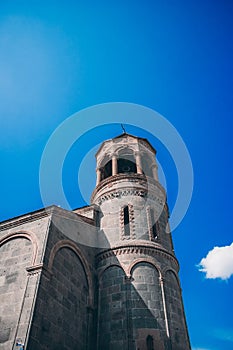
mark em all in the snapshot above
pixel 154 225
pixel 126 221
pixel 149 343
pixel 154 230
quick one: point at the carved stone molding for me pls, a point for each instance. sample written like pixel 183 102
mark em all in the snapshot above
pixel 137 179
pixel 129 192
pixel 136 249
pixel 121 193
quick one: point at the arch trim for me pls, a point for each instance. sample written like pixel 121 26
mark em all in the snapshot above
pixel 145 260
pixel 165 270
pixel 101 272
pixel 72 246
pixel 23 234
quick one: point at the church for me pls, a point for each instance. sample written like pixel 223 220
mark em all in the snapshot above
pixel 100 277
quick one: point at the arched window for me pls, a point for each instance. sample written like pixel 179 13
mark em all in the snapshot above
pixel 126 221
pixel 149 343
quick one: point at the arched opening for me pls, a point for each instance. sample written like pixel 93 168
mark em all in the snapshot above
pixel 126 162
pixel 107 170
pixel 126 166
pixel 149 343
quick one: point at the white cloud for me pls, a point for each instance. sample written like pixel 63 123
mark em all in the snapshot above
pixel 218 263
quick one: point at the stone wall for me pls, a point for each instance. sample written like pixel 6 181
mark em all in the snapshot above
pixel 64 311
pixel 21 248
pixel 139 294
pixel 176 317
pixel 58 290
pixel 147 306
pixel 61 317
pixel 112 325
pixel 15 256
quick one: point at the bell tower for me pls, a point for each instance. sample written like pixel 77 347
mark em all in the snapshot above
pixel 139 296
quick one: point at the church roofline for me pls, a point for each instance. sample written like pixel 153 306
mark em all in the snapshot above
pixel 83 207
pixel 38 214
pixel 125 134
pixel 33 215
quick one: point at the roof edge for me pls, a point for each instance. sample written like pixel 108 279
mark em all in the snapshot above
pixel 125 134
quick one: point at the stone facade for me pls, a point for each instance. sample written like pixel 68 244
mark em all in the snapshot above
pixel 100 277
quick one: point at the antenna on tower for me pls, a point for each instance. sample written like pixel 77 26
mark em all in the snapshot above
pixel 123 128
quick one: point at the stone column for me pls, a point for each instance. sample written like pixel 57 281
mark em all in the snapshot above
pixel 138 163
pixel 98 176
pixel 155 172
pixel 114 165
pixel 128 304
pixel 161 282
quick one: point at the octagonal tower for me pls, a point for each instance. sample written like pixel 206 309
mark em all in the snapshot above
pixel 139 296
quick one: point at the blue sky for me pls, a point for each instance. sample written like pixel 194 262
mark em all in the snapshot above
pixel 175 57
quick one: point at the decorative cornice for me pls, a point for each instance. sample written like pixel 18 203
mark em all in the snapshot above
pixel 111 194
pixel 146 249
pixel 20 220
pixel 140 187
pixel 121 193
